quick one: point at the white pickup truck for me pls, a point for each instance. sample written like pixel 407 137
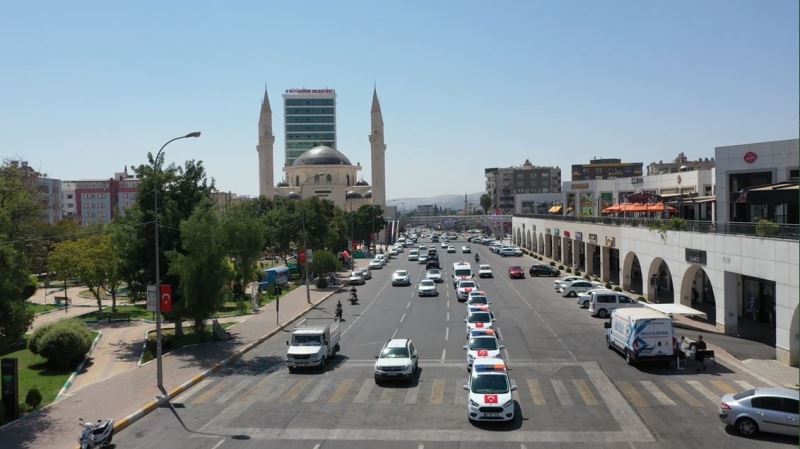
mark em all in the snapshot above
pixel 314 341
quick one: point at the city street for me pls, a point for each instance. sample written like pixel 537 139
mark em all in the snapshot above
pixel 573 391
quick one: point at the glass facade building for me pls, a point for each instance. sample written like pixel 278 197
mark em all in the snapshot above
pixel 310 120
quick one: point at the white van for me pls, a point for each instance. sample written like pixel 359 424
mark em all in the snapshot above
pixel 640 334
pixel 461 271
pixel 602 303
pixel 413 255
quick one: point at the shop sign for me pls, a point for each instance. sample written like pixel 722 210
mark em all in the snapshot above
pixel 580 185
pixel 567 234
pixel 593 238
pixel 579 236
pixel 750 157
pixel 637 180
pixel 611 241
pixel 696 256
pixel 556 232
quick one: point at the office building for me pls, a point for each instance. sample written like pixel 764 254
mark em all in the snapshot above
pixel 679 164
pixel 310 121
pixel 504 184
pixel 99 201
pixel 606 169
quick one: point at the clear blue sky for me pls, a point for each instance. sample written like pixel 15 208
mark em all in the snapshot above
pixel 88 87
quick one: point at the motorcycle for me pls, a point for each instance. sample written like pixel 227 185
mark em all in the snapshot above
pixel 339 311
pixel 96 434
pixel 477 259
pixel 353 297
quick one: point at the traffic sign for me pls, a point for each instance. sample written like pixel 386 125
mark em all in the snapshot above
pixel 152 297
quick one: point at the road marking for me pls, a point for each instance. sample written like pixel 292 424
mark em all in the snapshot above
pixel 444 353
pixel 367 308
pixel 408 305
pixel 585 392
pixel 421 446
pixel 411 395
pixel 446 333
pixel 184 397
pixel 744 384
pixel 656 392
pixel 232 392
pixel 448 304
pixel 724 387
pixel 393 334
pixel 561 392
pixel 448 316
pixel 206 395
pixel 340 391
pixel 315 392
pixel 363 393
pixel 536 392
pixel 683 394
pixel 316 446
pixel 219 443
pixel 703 390
pixel 633 396
pixel 403 318
pixel 386 396
pixel 437 393
pixel 292 393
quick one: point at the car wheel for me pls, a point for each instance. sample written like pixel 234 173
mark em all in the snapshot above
pixel 322 365
pixel 291 369
pixel 602 313
pixel 572 294
pixel 746 427
pixel 628 358
pixel 608 342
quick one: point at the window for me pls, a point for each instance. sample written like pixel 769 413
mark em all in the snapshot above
pixel 328 178
pixel 605 299
pixel 794 174
pixel 791 406
pixel 297 180
pixel 625 300
pixel 69 197
pixel 767 403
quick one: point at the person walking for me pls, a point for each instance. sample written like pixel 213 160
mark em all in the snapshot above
pixel 679 351
pixel 700 352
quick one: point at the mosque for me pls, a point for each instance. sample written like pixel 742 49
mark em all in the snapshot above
pixel 322 171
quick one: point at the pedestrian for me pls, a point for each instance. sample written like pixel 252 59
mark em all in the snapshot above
pixel 695 296
pixel 679 351
pixel 700 352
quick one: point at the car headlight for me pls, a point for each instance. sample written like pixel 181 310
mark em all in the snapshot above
pixel 509 403
pixel 473 403
pixel 471 356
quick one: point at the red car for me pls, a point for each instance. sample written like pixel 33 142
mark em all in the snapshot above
pixel 516 272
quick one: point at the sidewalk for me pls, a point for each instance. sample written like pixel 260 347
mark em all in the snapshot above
pixel 56 426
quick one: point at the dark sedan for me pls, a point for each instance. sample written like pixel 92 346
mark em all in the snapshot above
pixel 516 272
pixel 543 270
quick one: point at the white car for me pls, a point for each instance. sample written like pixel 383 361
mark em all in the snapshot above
pixel 506 251
pixel 481 347
pixel 413 255
pixel 422 259
pixel 356 278
pixel 464 287
pixel 444 244
pixel 427 288
pixel 579 286
pixel 375 264
pixel 585 298
pixel 366 274
pixel 393 252
pixel 482 319
pixel 401 277
pixel 517 251
pixel 398 360
pixel 434 274
pixel 489 388
pixel 478 299
pixel 466 249
pixel 451 249
pixel 485 271
pixel 558 283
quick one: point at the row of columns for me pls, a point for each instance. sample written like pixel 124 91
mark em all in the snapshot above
pixel 568 252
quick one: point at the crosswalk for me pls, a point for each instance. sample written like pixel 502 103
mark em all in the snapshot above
pixel 440 391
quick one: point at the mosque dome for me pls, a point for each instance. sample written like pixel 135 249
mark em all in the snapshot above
pixel 351 195
pixel 321 155
pixel 368 194
pixel 293 196
pixel 361 182
pixel 283 183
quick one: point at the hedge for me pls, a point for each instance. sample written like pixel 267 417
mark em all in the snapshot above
pixel 65 344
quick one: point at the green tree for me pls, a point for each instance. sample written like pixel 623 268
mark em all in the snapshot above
pixel 244 235
pixel 201 265
pixel 282 223
pixel 486 203
pixel 92 260
pixel 324 263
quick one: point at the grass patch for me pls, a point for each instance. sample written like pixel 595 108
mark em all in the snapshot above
pixel 137 311
pixel 171 342
pixel 41 308
pixel 35 373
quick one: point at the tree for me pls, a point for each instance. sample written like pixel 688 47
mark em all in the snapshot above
pixel 92 260
pixel 324 263
pixel 486 203
pixel 244 236
pixel 201 265
pixel 282 225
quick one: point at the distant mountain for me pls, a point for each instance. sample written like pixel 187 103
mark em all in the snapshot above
pixel 449 201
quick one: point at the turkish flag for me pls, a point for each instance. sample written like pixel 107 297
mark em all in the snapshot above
pixel 483 353
pixel 165 296
pixel 490 398
pixel 301 258
pixel 479 325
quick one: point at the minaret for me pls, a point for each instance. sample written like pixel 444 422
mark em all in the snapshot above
pixel 265 142
pixel 377 149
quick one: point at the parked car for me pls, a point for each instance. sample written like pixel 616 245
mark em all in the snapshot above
pixel 558 283
pixel 585 298
pixel 451 249
pixel 427 288
pixel 517 251
pixel 516 272
pixel 603 303
pixel 773 410
pixel 401 277
pixel 543 270
pixel 366 274
pixel 356 278
pixel 375 264
pixel 485 271
pixel 506 251
pixel 578 286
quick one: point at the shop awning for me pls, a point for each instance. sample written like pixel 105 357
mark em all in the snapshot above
pixel 554 210
pixel 676 309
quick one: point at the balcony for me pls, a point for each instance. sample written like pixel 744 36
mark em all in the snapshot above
pixel 772 230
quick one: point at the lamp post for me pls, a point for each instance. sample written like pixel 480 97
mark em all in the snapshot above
pixel 305 247
pixel 159 368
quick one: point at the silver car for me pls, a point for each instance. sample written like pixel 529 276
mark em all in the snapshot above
pixel 366 274
pixel 356 278
pixel 773 410
pixel 427 288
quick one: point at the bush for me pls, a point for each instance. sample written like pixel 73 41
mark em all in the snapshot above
pixel 65 344
pixel 766 228
pixel 322 282
pixel 577 272
pixel 617 289
pixel 608 285
pixel 569 270
pixel 552 264
pixel 561 267
pixel 587 277
pixel 641 299
pixel 33 398
pixel 33 342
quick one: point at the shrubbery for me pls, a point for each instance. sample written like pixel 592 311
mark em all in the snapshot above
pixel 608 285
pixel 33 342
pixel 63 344
pixel 617 289
pixel 561 267
pixel 33 398
pixel 552 264
pixel 569 270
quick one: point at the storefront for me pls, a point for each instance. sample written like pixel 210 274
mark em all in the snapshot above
pixel 757 309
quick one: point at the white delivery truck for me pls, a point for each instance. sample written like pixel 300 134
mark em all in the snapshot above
pixel 314 341
pixel 641 334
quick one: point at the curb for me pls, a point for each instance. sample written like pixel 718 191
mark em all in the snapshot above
pixel 153 404
pixel 74 374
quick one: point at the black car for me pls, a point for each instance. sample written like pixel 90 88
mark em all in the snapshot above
pixel 432 263
pixel 543 270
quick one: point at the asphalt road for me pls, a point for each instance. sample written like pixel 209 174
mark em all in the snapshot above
pixel 573 391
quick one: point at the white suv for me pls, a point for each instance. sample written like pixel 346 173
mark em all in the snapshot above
pixel 397 360
pixel 464 287
pixel 489 387
pixel 482 346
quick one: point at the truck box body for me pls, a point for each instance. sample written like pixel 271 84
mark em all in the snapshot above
pixel 313 342
pixel 641 334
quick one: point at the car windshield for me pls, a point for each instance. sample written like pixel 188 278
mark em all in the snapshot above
pixel 463 272
pixel 744 394
pixel 466 284
pixel 490 384
pixel 515 268
pixel 305 340
pixel 434 271
pixel 483 343
pixel 356 273
pixel 479 317
pixel 478 300
pixel 426 284
pixel 401 273
pixel 394 353
pixel 485 267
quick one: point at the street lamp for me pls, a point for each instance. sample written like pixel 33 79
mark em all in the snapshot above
pixel 305 248
pixel 159 368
